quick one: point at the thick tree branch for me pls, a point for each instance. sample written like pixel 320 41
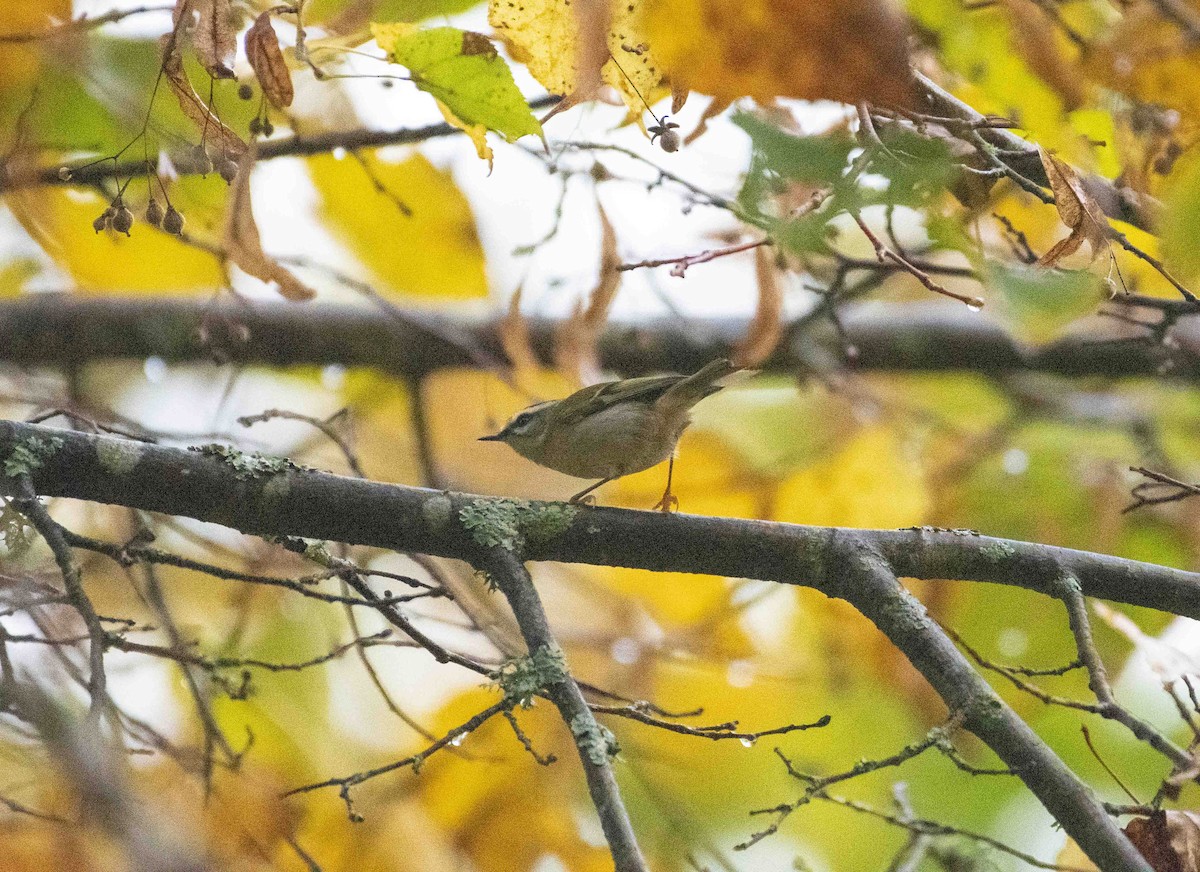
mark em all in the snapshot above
pixel 324 506
pixel 860 566
pixel 60 330
pixel 592 740
pixel 297 145
pixel 864 579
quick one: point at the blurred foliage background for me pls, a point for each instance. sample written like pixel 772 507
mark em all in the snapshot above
pixel 804 150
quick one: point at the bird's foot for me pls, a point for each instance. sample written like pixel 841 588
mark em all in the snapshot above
pixel 669 503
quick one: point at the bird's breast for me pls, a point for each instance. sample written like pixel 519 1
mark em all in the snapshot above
pixel 620 440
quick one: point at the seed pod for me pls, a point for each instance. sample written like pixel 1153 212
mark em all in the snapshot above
pixel 267 127
pixel 228 170
pixel 103 220
pixel 172 221
pixel 255 126
pixel 122 220
pixel 669 141
pixel 245 92
pixel 203 161
pixel 154 213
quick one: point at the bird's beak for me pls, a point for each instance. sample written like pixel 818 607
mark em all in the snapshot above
pixel 496 437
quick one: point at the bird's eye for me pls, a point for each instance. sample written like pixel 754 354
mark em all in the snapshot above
pixel 521 423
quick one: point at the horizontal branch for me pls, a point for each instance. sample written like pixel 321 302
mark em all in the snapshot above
pixel 319 505
pixel 860 566
pixel 296 145
pixel 65 330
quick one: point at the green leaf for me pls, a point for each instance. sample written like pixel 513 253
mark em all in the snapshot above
pixel 463 70
pixel 1181 223
pixel 1039 301
pixel 820 159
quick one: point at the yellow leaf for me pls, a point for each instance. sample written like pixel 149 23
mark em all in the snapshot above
pixel 1151 59
pixel 872 482
pixel 546 34
pixel 60 220
pixel 978 45
pixel 476 132
pixel 671 598
pixel 19 62
pixel 510 813
pixel 384 443
pixel 707 481
pixel 848 51
pixel 432 252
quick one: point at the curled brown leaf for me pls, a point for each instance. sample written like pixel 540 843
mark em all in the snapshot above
pixel 215 37
pixel 576 339
pixel 266 58
pixel 243 245
pixel 1169 840
pixel 766 327
pixel 513 332
pixel 193 107
pixel 1077 209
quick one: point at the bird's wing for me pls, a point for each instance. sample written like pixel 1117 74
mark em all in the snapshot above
pixel 597 398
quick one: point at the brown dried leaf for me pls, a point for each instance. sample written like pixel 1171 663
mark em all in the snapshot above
pixel 1076 208
pixel 575 340
pixel 262 49
pixel 591 50
pixel 215 37
pixel 243 245
pixel 1169 840
pixel 193 107
pixel 766 327
pixel 1035 38
pixel 850 51
pixel 513 331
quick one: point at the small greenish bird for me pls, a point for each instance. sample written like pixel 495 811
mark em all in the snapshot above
pixel 609 430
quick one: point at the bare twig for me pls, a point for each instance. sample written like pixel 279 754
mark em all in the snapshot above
pixel 82 23
pixel 682 263
pixel 28 504
pixel 886 254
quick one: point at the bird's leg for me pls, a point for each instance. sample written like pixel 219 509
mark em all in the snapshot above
pixel 579 497
pixel 669 501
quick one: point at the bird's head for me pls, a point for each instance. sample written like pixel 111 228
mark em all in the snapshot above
pixel 527 430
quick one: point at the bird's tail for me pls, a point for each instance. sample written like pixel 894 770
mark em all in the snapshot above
pixel 700 384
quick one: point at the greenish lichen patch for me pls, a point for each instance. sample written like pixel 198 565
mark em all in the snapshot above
pixel 29 455
pixel 493 523
pixel 318 552
pixel 16 533
pixel 548 521
pixel 997 552
pixel 437 510
pixel 522 678
pixel 594 739
pixel 118 456
pixel 508 524
pixel 246 466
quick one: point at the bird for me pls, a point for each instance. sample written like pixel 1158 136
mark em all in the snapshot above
pixel 613 429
